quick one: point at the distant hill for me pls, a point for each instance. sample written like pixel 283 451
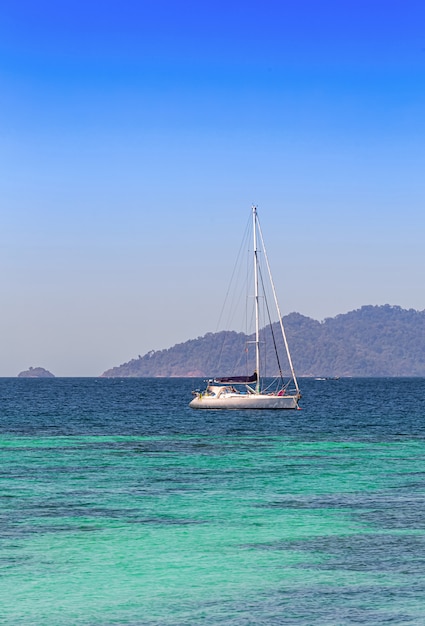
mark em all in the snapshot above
pixel 370 341
pixel 36 372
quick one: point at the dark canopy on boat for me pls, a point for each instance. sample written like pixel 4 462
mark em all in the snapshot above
pixel 234 380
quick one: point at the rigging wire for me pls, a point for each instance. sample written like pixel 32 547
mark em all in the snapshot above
pixel 271 328
pixel 237 287
pixel 231 305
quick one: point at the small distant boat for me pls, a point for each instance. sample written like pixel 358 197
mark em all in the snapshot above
pixel 252 391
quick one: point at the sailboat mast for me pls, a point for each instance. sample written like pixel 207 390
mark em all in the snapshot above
pixel 294 378
pixel 257 306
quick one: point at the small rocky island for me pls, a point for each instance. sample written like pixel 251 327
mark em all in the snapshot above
pixel 36 372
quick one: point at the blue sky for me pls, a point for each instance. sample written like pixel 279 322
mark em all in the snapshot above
pixel 135 136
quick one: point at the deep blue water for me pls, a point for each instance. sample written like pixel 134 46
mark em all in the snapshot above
pixel 120 505
pixel 347 409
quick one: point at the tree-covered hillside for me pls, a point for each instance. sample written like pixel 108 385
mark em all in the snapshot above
pixel 371 341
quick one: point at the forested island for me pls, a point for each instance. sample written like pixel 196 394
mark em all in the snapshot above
pixel 371 341
pixel 36 372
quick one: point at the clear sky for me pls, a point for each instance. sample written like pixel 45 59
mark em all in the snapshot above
pixel 136 135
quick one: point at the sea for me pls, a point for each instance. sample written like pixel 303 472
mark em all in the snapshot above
pixel 120 505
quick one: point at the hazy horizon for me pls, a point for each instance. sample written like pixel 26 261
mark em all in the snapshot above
pixel 136 137
pixel 135 356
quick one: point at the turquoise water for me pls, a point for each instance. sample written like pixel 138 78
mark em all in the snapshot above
pixel 120 505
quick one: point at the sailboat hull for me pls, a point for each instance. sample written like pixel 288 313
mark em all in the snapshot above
pixel 244 401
